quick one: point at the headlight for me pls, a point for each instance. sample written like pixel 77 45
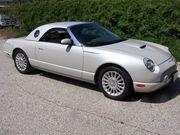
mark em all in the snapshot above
pixel 149 64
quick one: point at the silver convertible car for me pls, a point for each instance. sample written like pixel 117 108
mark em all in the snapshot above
pixel 91 53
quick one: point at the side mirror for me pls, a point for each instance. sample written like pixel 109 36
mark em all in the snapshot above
pixel 66 41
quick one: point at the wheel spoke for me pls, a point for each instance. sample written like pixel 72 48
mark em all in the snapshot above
pixel 120 83
pixel 105 79
pixel 120 90
pixel 120 80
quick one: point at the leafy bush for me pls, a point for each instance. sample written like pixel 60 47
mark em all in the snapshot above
pixel 152 20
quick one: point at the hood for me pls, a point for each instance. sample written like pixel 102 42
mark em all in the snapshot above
pixel 155 52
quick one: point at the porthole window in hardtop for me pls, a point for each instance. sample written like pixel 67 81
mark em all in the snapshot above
pixel 36 33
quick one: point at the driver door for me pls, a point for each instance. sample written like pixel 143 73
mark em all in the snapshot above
pixel 58 58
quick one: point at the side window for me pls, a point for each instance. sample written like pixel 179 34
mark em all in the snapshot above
pixel 55 35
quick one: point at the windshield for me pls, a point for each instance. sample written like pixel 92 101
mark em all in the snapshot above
pixel 92 34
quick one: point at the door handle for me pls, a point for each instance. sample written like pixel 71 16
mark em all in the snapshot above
pixel 40 48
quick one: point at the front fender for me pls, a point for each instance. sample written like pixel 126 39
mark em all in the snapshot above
pixel 133 64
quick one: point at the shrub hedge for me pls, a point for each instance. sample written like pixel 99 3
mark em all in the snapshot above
pixel 153 20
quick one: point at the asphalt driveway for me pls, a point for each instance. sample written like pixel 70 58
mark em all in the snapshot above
pixel 47 104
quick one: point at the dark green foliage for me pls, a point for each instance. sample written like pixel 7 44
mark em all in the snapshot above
pixel 152 20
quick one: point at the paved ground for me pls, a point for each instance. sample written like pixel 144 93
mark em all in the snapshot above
pixel 43 103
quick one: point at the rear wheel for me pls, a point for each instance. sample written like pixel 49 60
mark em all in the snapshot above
pixel 115 83
pixel 21 62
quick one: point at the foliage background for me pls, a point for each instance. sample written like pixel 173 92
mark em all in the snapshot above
pixel 153 20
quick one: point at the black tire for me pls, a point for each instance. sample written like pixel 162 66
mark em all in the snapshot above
pixel 28 67
pixel 127 83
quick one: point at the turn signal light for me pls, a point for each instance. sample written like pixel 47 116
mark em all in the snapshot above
pixel 140 85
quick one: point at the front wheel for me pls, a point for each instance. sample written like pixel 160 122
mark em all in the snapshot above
pixel 115 83
pixel 21 62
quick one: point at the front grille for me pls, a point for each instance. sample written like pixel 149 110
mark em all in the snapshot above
pixel 169 72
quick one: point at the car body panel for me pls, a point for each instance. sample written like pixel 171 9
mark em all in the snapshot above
pixel 150 51
pixel 61 58
pixel 82 62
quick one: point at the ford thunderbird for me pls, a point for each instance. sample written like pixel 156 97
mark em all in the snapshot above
pixel 91 53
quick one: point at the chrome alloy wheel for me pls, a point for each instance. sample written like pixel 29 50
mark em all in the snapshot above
pixel 113 83
pixel 21 62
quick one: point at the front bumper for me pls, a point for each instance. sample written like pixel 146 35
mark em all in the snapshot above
pixel 150 87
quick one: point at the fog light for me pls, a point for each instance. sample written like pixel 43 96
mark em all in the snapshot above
pixel 166 78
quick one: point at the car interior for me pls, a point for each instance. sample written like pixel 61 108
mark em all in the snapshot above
pixel 55 36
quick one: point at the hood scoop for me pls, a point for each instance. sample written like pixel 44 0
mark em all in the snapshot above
pixel 142 46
